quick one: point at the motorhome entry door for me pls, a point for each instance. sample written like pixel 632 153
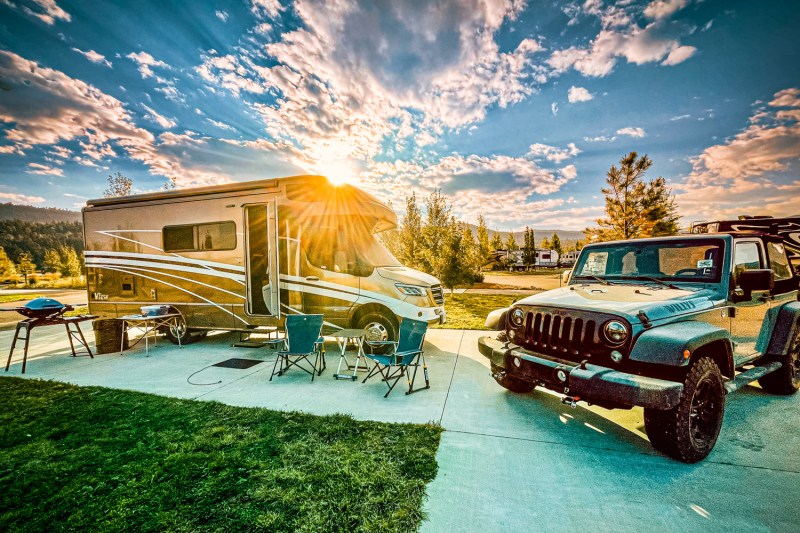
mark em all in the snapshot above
pixel 261 261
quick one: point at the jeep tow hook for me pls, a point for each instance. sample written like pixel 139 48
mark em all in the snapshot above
pixel 572 401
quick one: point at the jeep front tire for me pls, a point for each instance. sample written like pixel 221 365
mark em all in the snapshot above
pixel 689 430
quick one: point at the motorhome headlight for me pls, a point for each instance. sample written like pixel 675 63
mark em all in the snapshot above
pixel 615 332
pixel 517 317
pixel 411 290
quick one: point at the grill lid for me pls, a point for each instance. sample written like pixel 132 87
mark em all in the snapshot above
pixel 42 307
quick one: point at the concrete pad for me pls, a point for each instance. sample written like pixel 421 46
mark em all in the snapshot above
pixel 490 483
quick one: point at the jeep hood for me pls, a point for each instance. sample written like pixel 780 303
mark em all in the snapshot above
pixel 656 302
pixel 401 274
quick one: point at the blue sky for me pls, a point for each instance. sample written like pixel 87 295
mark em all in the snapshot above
pixel 514 109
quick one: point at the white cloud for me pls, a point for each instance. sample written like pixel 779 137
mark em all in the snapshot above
pixel 754 172
pixel 786 98
pixel 599 138
pixel 161 120
pixel 21 198
pixel 71 110
pixel 45 170
pixel 45 10
pixel 222 15
pixel 632 132
pixel 554 108
pixel 145 61
pixel 552 153
pixel 578 94
pixel 659 9
pixel 680 117
pixel 94 57
pixel 222 125
pixel 679 55
pixel 270 8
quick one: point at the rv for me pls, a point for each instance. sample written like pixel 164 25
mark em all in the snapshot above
pixel 243 255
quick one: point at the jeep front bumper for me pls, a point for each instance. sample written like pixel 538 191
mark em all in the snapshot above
pixel 591 383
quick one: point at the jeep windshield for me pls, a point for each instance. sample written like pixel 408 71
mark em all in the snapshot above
pixel 653 261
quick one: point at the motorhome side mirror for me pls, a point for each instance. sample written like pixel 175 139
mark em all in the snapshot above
pixel 565 276
pixel 762 279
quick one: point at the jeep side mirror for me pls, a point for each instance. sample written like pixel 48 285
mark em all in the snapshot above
pixel 565 276
pixel 762 279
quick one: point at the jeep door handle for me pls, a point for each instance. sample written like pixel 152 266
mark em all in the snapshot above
pixel 312 278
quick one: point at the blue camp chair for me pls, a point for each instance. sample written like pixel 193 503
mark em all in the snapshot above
pixel 404 354
pixel 303 339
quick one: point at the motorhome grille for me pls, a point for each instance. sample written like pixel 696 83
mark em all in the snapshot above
pixel 438 295
pixel 560 335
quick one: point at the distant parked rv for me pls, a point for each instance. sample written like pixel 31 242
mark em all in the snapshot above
pixel 242 255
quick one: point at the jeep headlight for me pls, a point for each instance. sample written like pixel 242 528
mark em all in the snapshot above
pixel 517 317
pixel 411 290
pixel 615 332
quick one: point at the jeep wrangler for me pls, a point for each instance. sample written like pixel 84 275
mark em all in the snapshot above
pixel 670 324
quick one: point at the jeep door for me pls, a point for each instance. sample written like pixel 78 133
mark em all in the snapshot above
pixel 751 309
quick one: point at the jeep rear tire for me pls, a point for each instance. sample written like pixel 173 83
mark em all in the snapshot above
pixel 785 380
pixel 511 383
pixel 688 431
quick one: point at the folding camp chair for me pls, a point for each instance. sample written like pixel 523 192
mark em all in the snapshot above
pixel 303 339
pixel 406 353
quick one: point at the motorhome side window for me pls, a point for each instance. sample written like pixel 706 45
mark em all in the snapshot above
pixel 200 237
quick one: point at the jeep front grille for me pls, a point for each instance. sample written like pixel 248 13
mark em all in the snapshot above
pixel 560 335
pixel 438 295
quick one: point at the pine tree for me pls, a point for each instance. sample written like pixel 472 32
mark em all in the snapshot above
pixel 484 247
pixel 511 242
pixel 25 265
pixel 529 248
pixel 496 242
pixel 410 234
pixel 436 234
pixel 635 208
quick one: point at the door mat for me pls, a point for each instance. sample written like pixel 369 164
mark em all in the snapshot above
pixel 238 363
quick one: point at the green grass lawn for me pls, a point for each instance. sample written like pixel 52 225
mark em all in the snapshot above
pixel 75 458
pixel 468 311
pixel 6 298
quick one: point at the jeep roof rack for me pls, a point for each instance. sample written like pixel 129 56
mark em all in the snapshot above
pixel 787 228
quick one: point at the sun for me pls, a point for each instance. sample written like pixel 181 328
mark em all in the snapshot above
pixel 338 172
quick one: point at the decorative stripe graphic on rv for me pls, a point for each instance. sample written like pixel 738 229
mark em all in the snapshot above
pixel 133 272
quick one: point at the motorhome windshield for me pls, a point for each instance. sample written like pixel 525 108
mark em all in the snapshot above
pixel 671 260
pixel 348 247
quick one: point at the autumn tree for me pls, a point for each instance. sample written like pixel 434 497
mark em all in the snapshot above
pixel 555 245
pixel 635 208
pixel 118 185
pixel 511 242
pixel 436 233
pixel 7 268
pixel 410 233
pixel 51 261
pixel 70 264
pixel 25 265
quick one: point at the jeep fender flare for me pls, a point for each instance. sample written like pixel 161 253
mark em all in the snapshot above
pixel 665 345
pixel 786 326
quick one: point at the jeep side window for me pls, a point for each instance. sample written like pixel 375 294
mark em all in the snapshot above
pixel 746 257
pixel 778 261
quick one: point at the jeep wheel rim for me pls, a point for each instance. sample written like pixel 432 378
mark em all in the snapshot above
pixel 703 414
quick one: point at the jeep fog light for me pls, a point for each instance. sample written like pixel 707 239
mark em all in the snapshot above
pixel 561 375
pixel 616 356
pixel 615 332
pixel 517 317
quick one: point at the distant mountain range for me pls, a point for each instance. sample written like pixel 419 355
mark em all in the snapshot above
pixel 29 213
pixel 539 234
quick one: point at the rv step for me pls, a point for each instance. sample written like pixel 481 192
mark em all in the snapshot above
pixel 745 378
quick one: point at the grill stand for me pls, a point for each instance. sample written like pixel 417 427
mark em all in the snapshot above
pixel 29 324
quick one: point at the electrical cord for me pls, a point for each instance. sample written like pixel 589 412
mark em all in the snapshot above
pixel 188 380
